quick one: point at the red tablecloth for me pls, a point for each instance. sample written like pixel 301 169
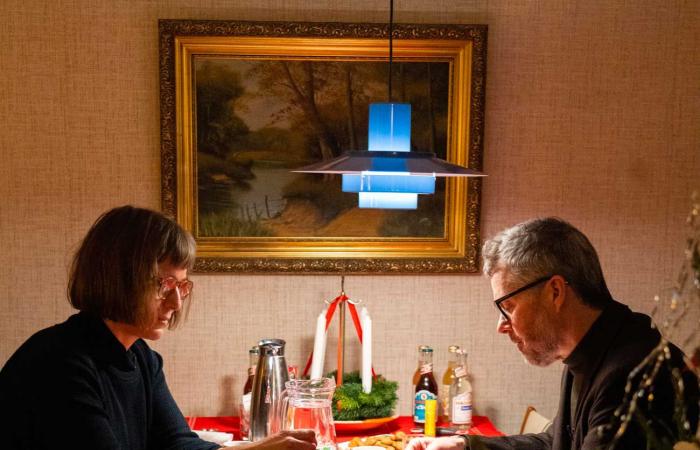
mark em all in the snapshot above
pixel 482 426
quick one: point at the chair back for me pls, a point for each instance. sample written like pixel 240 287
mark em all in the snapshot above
pixel 534 422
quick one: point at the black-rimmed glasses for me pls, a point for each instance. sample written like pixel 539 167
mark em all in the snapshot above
pixel 500 300
pixel 168 284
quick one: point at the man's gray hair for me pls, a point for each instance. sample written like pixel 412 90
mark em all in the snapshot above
pixel 548 246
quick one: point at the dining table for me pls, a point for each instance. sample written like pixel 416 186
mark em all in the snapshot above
pixel 345 431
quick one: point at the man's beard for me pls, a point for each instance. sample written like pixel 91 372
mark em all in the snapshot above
pixel 541 348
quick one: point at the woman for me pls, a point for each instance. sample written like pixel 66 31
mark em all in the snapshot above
pixel 92 381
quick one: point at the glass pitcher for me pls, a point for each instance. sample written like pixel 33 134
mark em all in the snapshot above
pixel 306 404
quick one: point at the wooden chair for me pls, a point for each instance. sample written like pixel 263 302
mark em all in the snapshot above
pixel 534 422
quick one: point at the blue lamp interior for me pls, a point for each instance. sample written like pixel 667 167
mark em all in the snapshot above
pixel 365 182
pixel 389 127
pixel 388 185
pixel 388 200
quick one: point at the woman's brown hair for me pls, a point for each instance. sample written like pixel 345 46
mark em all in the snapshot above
pixel 113 275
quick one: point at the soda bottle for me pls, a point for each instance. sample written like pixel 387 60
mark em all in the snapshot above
pixel 426 388
pixel 253 355
pixel 447 377
pixel 461 394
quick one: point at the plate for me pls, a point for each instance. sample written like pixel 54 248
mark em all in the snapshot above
pixel 362 425
pixel 344 446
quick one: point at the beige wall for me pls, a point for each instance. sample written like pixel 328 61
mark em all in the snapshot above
pixel 592 114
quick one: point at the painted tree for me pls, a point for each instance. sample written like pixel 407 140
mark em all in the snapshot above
pixel 218 126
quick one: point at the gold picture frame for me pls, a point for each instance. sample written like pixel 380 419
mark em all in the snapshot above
pixel 205 164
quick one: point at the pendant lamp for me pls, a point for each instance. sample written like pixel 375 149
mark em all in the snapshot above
pixel 389 175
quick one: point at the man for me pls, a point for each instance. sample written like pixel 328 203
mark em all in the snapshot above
pixel 554 305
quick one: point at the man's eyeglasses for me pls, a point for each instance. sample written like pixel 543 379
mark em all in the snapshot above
pixel 168 284
pixel 498 301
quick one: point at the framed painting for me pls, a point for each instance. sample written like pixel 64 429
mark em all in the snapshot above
pixel 245 103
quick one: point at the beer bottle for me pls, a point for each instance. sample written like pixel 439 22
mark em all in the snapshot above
pixel 416 376
pixel 447 377
pixel 426 387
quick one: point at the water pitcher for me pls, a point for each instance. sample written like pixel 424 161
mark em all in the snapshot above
pixel 306 404
pixel 270 375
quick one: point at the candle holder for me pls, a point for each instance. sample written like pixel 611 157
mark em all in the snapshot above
pixel 340 303
pixel 363 396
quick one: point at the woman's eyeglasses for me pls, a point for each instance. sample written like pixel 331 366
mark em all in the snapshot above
pixel 168 284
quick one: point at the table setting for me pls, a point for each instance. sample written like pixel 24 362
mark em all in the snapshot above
pixel 355 409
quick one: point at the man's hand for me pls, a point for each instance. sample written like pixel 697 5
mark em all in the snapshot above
pixel 286 440
pixel 443 443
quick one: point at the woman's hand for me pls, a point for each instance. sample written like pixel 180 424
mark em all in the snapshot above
pixel 286 440
pixel 443 443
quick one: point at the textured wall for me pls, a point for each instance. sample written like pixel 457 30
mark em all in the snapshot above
pixel 592 114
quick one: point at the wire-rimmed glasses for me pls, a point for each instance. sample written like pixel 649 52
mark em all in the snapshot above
pixel 168 284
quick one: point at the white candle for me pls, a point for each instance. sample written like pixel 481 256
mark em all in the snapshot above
pixel 366 352
pixel 319 346
pixel 363 314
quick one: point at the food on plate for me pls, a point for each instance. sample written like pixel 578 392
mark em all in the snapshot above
pixel 393 441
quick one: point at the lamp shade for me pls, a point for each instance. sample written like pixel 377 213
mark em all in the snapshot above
pixel 389 175
pixel 404 163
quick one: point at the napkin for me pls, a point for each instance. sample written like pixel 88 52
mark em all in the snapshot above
pixel 216 437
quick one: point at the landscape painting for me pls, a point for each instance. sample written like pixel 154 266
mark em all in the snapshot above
pixel 244 104
pixel 256 120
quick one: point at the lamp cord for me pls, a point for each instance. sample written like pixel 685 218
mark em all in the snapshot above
pixel 391 45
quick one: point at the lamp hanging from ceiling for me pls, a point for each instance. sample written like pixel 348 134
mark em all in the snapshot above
pixel 389 175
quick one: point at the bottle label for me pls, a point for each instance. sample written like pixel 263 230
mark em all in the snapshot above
pixel 460 371
pixel 462 408
pixel 444 401
pixel 426 368
pixel 245 415
pixel 419 405
pixel 245 400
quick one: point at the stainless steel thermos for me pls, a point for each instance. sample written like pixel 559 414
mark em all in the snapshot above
pixel 268 384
